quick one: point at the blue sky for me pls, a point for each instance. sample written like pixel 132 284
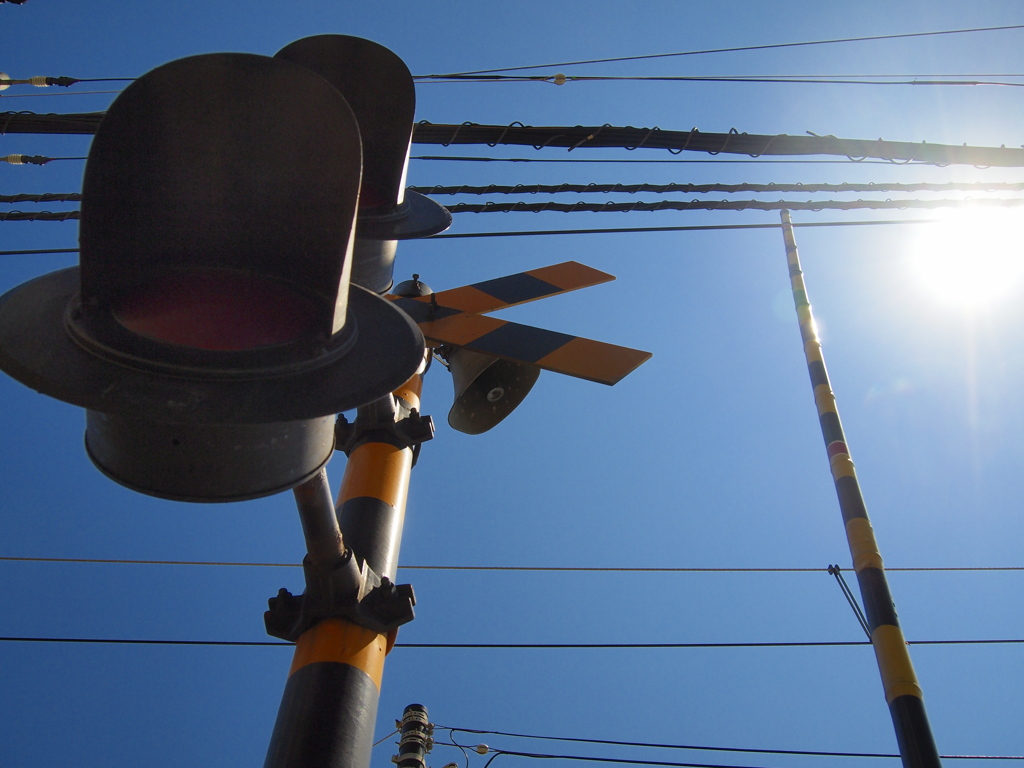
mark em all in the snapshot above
pixel 708 456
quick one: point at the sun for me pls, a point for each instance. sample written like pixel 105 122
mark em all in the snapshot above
pixel 972 259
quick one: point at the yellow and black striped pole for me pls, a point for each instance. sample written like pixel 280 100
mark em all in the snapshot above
pixel 902 692
pixel 329 706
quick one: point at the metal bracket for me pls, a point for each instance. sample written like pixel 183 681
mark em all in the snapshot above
pixel 348 591
pixel 407 432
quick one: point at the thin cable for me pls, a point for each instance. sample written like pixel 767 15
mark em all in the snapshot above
pixel 602 231
pixel 563 79
pixel 378 743
pixel 838 76
pixel 691 228
pixel 632 189
pixel 611 160
pixel 641 206
pixel 40 215
pixel 651 745
pixel 48 197
pixel 836 571
pixel 4 97
pixel 560 569
pixel 498 752
pixel 741 48
pixel 512 646
pixel 805 644
pixel 38 251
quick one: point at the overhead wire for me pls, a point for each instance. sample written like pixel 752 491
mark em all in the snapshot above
pixel 652 745
pixel 643 206
pixel 635 761
pixel 724 160
pixel 598 231
pixel 573 137
pixel 554 189
pixel 542 568
pixel 511 646
pixel 716 205
pixel 5 96
pixel 738 49
pixel 562 79
pixel 594 188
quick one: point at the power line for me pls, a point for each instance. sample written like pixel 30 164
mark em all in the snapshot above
pixel 599 231
pixel 561 79
pixel 739 49
pixel 724 160
pixel 634 761
pixel 690 228
pixel 650 745
pixel 533 189
pixel 51 95
pixel 641 206
pixel 624 137
pixel 718 205
pixel 512 646
pixel 40 215
pixel 628 761
pixel 49 197
pixel 733 142
pixel 542 568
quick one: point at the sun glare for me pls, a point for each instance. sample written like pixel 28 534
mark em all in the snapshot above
pixel 973 258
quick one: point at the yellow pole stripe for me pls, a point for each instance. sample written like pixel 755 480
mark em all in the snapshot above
pixel 336 640
pixel 863 547
pixel 894 664
pixel 812 351
pixel 842 466
pixel 824 399
pixel 377 470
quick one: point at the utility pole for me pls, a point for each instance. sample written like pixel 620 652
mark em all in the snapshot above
pixel 902 692
pixel 417 738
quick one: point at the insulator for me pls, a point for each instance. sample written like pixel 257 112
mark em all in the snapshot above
pixel 14 159
pixel 5 81
pixel 39 81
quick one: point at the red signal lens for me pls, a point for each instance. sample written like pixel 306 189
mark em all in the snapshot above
pixel 217 310
pixel 369 197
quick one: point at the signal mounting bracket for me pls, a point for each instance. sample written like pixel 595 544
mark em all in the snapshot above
pixel 348 591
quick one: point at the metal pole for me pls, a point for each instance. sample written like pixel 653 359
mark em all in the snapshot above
pixel 329 706
pixel 324 544
pixel 416 740
pixel 902 692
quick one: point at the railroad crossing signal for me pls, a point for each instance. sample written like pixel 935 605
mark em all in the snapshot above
pixel 210 331
pixel 234 240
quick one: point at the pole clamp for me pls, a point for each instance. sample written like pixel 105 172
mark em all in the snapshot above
pixel 408 432
pixel 347 591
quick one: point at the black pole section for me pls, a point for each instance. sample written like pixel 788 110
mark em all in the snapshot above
pixel 417 739
pixel 902 692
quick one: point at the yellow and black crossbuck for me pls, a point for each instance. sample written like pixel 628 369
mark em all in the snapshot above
pixel 456 317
